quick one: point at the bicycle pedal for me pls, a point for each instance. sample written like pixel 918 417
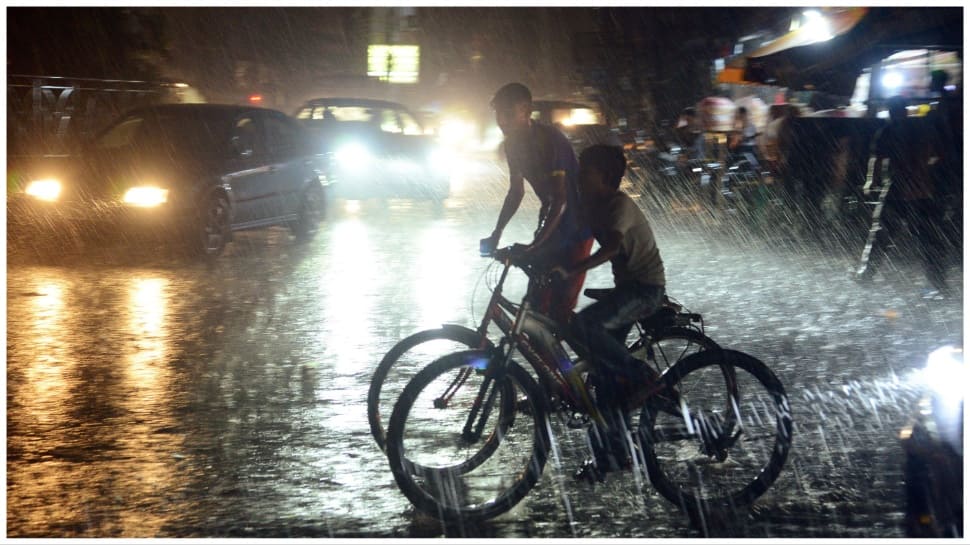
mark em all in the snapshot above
pixel 577 421
pixel 523 406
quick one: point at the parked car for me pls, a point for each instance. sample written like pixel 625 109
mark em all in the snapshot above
pixel 194 173
pixel 933 448
pixel 377 149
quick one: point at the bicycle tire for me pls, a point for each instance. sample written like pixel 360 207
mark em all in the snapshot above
pixel 447 492
pixel 759 404
pixel 449 332
pixel 664 359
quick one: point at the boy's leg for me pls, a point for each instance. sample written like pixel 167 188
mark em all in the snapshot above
pixel 615 312
pixel 559 298
pixel 597 326
pixel 608 443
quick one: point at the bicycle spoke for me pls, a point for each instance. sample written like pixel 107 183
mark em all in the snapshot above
pixel 402 362
pixel 441 468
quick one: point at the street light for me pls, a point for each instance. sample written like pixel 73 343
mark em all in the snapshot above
pixel 892 81
pixel 817 26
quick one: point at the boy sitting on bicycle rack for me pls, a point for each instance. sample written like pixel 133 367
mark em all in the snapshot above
pixel 627 241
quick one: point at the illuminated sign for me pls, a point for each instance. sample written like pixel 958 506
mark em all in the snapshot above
pixel 393 63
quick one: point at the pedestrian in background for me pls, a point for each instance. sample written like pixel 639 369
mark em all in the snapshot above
pixel 911 207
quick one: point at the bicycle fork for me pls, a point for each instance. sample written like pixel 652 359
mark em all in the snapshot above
pixel 494 375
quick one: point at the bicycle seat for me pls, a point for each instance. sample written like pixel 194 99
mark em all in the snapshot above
pixel 598 293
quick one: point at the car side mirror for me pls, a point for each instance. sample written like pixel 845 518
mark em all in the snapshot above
pixel 240 147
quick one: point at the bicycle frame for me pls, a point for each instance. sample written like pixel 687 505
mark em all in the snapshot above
pixel 519 325
pixel 516 321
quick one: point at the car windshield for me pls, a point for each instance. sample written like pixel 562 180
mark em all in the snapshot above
pixel 322 113
pixel 182 132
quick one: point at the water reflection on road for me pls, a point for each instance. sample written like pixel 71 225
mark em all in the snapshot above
pixel 148 396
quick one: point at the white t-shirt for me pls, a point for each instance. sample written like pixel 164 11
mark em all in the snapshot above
pixel 639 258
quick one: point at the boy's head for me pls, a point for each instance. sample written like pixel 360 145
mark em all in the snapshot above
pixel 601 168
pixel 513 107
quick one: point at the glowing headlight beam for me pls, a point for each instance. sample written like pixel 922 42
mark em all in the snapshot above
pixel 945 372
pixel 455 131
pixel 353 156
pixel 146 196
pixel 440 159
pixel 45 190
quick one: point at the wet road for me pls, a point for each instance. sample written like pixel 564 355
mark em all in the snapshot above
pixel 150 397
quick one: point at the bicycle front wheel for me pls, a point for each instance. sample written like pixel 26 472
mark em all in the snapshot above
pixel 404 360
pixel 447 472
pixel 729 444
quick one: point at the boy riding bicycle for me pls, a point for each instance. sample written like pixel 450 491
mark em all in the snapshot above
pixel 541 155
pixel 627 241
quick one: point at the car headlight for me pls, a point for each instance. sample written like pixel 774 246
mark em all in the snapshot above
pixel 45 190
pixel 945 372
pixel 440 159
pixel 942 410
pixel 455 132
pixel 353 156
pixel 146 196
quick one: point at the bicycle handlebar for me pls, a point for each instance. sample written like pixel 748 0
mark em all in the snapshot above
pixel 508 256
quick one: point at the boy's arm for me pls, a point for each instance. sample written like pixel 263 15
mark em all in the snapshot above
pixel 609 248
pixel 511 204
pixel 556 208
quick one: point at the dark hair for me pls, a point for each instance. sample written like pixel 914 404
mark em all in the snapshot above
pixel 690 111
pixel 607 159
pixel 511 94
pixel 742 110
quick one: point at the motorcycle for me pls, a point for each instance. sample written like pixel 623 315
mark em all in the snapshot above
pixel 747 187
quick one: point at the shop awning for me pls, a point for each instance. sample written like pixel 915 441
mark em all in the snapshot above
pixel 837 21
pixel 860 39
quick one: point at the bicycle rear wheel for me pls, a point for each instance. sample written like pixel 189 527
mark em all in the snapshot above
pixel 449 475
pixel 669 347
pixel 403 361
pixel 728 445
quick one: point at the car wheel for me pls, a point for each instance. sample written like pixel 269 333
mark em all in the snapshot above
pixel 312 207
pixel 212 228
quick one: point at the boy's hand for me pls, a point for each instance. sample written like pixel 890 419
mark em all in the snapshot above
pixel 521 250
pixel 487 245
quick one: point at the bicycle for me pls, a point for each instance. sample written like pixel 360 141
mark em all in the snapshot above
pixel 661 339
pixel 470 435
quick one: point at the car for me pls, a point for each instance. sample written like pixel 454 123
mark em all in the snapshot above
pixel 582 124
pixel 933 450
pixel 376 148
pixel 194 173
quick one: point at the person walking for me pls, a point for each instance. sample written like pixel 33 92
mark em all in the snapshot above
pixel 910 205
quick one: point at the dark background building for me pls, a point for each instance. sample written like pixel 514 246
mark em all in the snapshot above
pixel 641 62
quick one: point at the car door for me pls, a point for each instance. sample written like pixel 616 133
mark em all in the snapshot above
pixel 414 143
pixel 290 166
pixel 249 177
